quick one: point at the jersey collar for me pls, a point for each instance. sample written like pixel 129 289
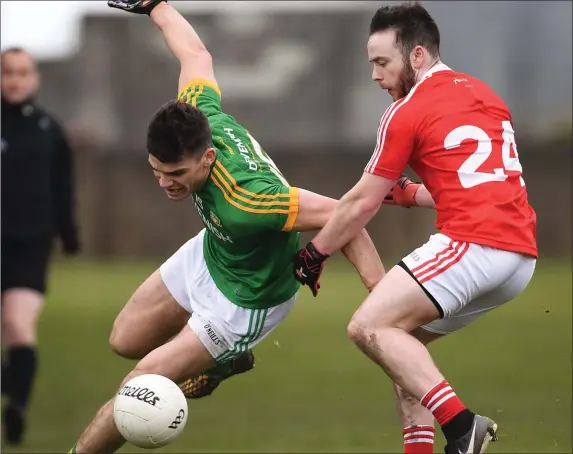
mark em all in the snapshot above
pixel 434 69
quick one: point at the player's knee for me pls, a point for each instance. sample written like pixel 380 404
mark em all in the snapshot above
pixel 359 333
pixel 122 344
pixel 18 331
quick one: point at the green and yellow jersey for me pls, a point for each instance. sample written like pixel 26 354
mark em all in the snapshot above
pixel 248 210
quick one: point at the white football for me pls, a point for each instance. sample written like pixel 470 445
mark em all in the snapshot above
pixel 150 411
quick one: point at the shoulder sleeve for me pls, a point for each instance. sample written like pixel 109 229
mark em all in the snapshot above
pixel 261 203
pixel 202 94
pixel 394 144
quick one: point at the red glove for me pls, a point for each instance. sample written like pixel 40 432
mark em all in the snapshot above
pixel 403 193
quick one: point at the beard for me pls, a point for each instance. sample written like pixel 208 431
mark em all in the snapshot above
pixel 406 82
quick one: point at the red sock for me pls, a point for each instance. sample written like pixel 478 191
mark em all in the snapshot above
pixel 418 440
pixel 442 401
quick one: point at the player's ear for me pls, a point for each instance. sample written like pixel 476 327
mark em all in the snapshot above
pixel 209 157
pixel 417 57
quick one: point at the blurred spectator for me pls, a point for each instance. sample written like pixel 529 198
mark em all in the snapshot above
pixel 37 205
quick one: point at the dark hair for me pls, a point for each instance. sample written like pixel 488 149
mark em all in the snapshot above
pixel 413 26
pixel 177 130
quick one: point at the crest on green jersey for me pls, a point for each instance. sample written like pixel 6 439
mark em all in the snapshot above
pixel 215 219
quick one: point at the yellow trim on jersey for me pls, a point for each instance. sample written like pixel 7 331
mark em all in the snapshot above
pixel 244 191
pixel 293 210
pixel 198 81
pixel 236 196
pixel 194 99
pixel 225 145
pixel 244 208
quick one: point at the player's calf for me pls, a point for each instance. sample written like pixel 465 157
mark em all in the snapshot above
pixel 417 422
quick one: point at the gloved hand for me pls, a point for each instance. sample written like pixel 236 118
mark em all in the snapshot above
pixel 135 6
pixel 308 265
pixel 403 193
pixel 71 243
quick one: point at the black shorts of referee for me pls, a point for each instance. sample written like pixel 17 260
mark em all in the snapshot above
pixel 25 263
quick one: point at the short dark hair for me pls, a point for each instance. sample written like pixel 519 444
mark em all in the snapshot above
pixel 178 130
pixel 413 26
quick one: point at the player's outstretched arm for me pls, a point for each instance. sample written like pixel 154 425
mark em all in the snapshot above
pixel 349 216
pixel 181 38
pixel 313 213
pixel 353 212
pixel 184 43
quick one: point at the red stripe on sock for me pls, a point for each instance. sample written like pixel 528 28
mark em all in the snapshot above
pixel 418 440
pixel 443 402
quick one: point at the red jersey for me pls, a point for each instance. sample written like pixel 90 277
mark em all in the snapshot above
pixel 457 135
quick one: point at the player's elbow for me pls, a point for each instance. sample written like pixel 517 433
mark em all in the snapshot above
pixel 366 207
pixel 362 202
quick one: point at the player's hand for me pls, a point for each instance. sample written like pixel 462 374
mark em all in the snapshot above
pixel 135 6
pixel 308 265
pixel 71 245
pixel 403 193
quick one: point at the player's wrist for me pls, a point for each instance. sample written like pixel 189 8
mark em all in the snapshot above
pixel 314 253
pixel 410 194
pixel 155 8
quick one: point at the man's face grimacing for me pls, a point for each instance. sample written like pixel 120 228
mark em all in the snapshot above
pixel 181 179
pixel 392 71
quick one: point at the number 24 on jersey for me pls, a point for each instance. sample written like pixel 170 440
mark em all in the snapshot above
pixel 468 173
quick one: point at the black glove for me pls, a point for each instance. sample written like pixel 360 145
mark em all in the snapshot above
pixel 308 265
pixel 135 6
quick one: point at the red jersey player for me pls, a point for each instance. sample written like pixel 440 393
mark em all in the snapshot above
pixel 457 134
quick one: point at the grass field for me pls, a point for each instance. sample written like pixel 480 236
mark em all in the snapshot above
pixel 312 390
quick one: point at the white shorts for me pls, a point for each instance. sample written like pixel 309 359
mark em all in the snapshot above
pixel 225 329
pixel 466 280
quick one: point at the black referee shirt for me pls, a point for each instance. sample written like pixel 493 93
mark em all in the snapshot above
pixel 37 176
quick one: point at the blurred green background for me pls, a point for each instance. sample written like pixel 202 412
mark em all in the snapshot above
pixel 311 389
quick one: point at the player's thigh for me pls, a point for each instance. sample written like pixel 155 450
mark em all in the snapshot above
pixel 161 305
pixel 225 329
pixel 456 275
pixel 397 301
pixel 180 358
pixel 150 318
pixel 508 290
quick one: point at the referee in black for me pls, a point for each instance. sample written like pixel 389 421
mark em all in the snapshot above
pixel 37 200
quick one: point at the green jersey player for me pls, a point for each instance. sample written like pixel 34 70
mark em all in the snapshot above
pixel 228 287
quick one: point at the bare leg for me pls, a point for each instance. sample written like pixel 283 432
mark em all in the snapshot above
pixel 410 411
pixel 21 308
pixel 149 319
pixel 381 328
pixel 178 359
